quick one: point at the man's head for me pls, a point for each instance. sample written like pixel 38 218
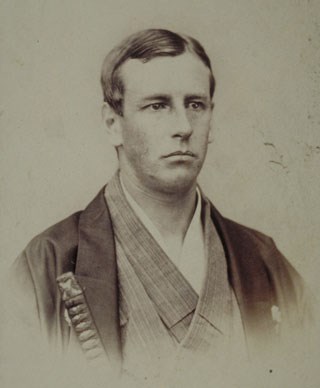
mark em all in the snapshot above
pixel 158 89
pixel 146 45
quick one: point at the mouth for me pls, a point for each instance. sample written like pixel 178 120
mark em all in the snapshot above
pixel 181 154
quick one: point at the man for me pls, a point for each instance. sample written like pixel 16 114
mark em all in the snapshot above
pixel 150 268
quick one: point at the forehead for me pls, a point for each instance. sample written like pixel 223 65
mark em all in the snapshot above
pixel 182 74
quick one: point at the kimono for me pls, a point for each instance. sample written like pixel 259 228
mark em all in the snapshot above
pixel 271 295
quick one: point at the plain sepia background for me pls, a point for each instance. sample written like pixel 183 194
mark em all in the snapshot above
pixel 263 169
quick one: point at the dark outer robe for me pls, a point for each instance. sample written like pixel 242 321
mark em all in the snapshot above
pixel 262 279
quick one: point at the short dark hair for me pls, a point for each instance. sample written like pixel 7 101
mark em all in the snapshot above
pixel 146 45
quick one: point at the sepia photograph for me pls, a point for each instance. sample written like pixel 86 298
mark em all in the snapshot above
pixel 160 206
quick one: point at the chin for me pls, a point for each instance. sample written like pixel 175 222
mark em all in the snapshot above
pixel 175 183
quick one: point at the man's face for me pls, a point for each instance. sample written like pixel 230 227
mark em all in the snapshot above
pixel 165 126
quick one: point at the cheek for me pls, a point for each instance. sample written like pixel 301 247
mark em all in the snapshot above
pixel 200 121
pixel 202 132
pixel 136 145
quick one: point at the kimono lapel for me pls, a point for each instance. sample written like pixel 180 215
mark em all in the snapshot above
pixel 249 279
pixel 96 272
pixel 171 294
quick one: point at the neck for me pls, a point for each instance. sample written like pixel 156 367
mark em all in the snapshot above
pixel 170 212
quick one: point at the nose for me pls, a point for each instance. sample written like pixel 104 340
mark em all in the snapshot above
pixel 182 127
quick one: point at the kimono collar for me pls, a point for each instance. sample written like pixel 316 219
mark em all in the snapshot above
pixel 96 271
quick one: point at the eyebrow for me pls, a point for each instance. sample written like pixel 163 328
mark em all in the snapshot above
pixel 191 97
pixel 158 97
pixel 166 97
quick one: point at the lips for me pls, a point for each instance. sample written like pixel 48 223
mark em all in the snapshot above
pixel 180 153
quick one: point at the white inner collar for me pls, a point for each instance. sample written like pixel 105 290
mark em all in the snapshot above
pixel 190 257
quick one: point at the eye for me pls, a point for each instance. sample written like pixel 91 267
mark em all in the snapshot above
pixel 157 106
pixel 196 105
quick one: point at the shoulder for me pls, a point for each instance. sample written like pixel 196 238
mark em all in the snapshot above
pixel 255 258
pixel 260 246
pixel 245 235
pixel 250 244
pixel 60 237
pixel 51 251
pixel 54 251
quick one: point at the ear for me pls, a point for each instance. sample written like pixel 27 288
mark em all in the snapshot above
pixel 112 121
pixel 210 136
